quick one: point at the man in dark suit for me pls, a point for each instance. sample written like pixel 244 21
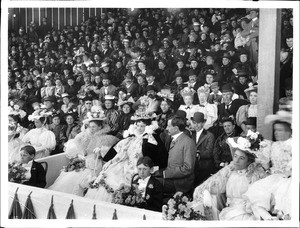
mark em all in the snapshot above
pixel 36 175
pixel 205 143
pixel 179 174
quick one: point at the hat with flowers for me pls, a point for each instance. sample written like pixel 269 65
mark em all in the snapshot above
pixel 96 113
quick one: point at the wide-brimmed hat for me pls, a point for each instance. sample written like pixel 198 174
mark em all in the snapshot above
pixel 252 88
pixel 166 93
pixel 104 64
pixel 36 115
pixel 281 116
pixel 96 113
pixel 187 92
pixel 142 116
pixel 109 97
pixel 65 95
pixel 251 144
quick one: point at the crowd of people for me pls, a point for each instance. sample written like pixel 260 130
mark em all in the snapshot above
pixel 153 90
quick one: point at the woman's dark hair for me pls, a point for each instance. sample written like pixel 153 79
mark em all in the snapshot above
pixel 29 149
pixel 145 121
pixel 251 158
pixel 15 118
pixel 146 161
pixel 98 122
pixel 44 120
pixel 179 122
pixel 287 126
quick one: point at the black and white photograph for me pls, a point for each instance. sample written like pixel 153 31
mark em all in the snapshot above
pixel 147 115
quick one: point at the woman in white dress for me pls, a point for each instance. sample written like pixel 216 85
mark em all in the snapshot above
pixel 85 146
pixel 40 137
pixel 234 180
pixel 14 142
pixel 272 195
pixel 249 110
pixel 122 167
pixel 210 111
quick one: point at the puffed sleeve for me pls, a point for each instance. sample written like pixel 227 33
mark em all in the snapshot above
pixel 241 115
pixel 75 146
pixel 47 139
pixel 212 115
pixel 216 182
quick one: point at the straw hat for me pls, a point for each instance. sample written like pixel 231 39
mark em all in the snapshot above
pixel 282 116
pixel 96 113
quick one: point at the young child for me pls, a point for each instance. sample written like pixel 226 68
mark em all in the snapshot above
pixel 36 175
pixel 151 187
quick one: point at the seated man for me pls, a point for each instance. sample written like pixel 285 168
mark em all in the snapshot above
pixel 35 175
pixel 221 152
pixel 179 174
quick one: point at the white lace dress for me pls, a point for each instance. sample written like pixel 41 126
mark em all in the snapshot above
pixel 276 187
pixel 234 184
pixel 14 147
pixel 42 140
pixel 84 143
pixel 119 170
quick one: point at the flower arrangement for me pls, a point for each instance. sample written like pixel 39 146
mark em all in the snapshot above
pixel 103 183
pixel 77 164
pixel 15 110
pixel 255 139
pixel 129 196
pixel 16 172
pixel 179 207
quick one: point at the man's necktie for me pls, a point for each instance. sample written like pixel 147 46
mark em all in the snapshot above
pixel 172 142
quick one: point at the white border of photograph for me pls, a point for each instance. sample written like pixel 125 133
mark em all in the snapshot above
pixel 145 4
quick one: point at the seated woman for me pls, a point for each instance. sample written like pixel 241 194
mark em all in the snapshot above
pixel 35 175
pixel 138 141
pixel 249 110
pixel 151 187
pixel 14 142
pixel 235 178
pixel 83 146
pixel 40 138
pixel 276 188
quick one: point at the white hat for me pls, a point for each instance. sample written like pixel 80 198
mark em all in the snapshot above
pixel 282 116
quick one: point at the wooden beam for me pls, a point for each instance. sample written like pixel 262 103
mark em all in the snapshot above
pixel 268 67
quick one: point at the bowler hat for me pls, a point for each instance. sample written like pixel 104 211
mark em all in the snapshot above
pixel 198 117
pixel 105 76
pixel 227 88
pixel 181 114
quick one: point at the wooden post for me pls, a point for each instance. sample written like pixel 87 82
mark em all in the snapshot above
pixel 268 67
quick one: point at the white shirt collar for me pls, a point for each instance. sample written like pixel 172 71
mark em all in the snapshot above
pixel 176 136
pixel 27 165
pixel 254 19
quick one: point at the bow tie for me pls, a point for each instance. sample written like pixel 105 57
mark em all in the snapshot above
pixel 188 107
pixel 201 105
pixel 142 183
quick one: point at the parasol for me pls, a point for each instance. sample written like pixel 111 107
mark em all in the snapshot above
pixel 94 212
pixel 51 213
pixel 15 210
pixel 71 213
pixel 115 216
pixel 29 210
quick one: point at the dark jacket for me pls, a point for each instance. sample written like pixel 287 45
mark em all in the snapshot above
pixel 38 176
pixel 153 194
pixel 205 159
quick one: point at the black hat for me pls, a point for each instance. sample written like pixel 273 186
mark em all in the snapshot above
pixel 150 87
pixel 191 72
pixel 105 76
pixel 226 88
pixel 87 98
pixel 226 55
pixel 50 98
pixel 198 117
pixel 149 73
pixel 181 114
